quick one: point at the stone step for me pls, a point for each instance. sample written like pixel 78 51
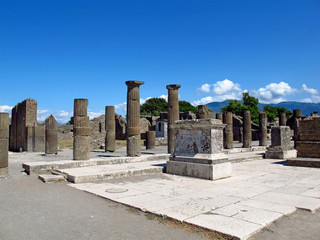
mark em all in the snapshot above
pixel 304 162
pixel 49 178
pixel 244 150
pixel 108 172
pixel 247 156
pixel 48 166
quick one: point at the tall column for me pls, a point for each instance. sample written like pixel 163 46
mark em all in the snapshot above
pixel 263 122
pixel 4 143
pixel 110 144
pixel 219 116
pixel 297 114
pixel 247 134
pixel 81 130
pixel 203 112
pixel 51 143
pixel 173 113
pixel 151 140
pixel 133 118
pixel 228 130
pixel 282 119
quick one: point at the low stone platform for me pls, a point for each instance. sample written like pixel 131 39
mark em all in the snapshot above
pixel 49 178
pixel 285 154
pixel 304 162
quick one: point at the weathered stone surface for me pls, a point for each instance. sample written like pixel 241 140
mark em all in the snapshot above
pixel 4 142
pixel 304 162
pixel 144 127
pixel 110 143
pixel 309 130
pixel 247 134
pixel 228 130
pixel 203 112
pixel 121 128
pixel 173 113
pixel 187 115
pixel 133 118
pixel 151 140
pixel 81 148
pixel 80 107
pixel 36 138
pixel 51 143
pixel 219 116
pixel 282 119
pixel 263 134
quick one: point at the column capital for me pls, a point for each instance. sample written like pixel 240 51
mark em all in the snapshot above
pixel 134 83
pixel 173 86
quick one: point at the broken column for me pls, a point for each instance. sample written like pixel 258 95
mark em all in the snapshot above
pixel 228 130
pixel 263 134
pixel 280 144
pixel 133 118
pixel 150 139
pixel 51 143
pixel 173 113
pixel 247 134
pixel 4 143
pixel 282 119
pixel 203 112
pixel 110 141
pixel 81 130
pixel 198 150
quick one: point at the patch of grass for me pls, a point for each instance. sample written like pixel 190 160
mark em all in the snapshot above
pixel 65 144
pixel 133 210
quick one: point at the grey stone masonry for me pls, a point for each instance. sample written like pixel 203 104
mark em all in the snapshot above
pixel 4 143
pixel 203 112
pixel 247 134
pixel 219 116
pixel 51 144
pixel 81 130
pixel 228 130
pixel 198 150
pixel 173 113
pixel 282 119
pixel 133 118
pixel 110 141
pixel 263 134
pixel 151 140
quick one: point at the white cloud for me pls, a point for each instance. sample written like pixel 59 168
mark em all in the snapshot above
pixel 164 97
pixel 205 88
pixel 226 87
pixel 274 92
pixel 6 108
pixel 203 101
pixel 62 116
pixel 95 114
pixel 309 90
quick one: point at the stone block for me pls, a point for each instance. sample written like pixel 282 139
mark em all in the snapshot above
pixel 308 149
pixel 80 107
pixel 304 162
pixel 81 122
pixel 4 147
pixel 133 146
pixel 281 154
pixel 81 131
pixel 81 148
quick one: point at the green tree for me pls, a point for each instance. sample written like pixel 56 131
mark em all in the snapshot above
pixel 186 106
pixel 154 106
pixel 273 112
pixel 71 121
pixel 234 106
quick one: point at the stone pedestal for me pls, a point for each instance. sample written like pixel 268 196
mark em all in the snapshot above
pixel 247 134
pixel 280 144
pixel 110 141
pixel 198 151
pixel 4 143
pixel 133 118
pixel 282 119
pixel 81 130
pixel 151 140
pixel 263 134
pixel 51 144
pixel 203 112
pixel 228 130
pixel 173 113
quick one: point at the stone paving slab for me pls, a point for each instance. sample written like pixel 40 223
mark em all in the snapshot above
pixel 258 193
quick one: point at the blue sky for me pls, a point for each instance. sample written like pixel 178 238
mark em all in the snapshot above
pixel 56 50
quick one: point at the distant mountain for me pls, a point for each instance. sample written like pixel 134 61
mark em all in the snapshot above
pixel 306 108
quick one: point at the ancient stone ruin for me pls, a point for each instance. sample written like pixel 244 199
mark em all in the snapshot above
pixel 263 131
pixel 198 150
pixel 228 130
pixel 247 134
pixel 25 133
pixel 110 125
pixel 51 145
pixel 4 143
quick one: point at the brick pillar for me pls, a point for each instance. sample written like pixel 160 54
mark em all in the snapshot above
pixel 51 143
pixel 4 143
pixel 133 118
pixel 81 130
pixel 228 130
pixel 173 113
pixel 110 143
pixel 247 134
pixel 263 122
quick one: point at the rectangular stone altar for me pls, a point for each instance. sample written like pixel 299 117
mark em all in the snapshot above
pixel 198 150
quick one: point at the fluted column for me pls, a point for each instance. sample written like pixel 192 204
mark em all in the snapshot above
pixel 133 118
pixel 173 113
pixel 51 143
pixel 151 140
pixel 110 122
pixel 263 122
pixel 81 130
pixel 247 134
pixel 4 143
pixel 228 130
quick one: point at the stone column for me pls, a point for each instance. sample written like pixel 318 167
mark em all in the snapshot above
pixel 203 112
pixel 51 143
pixel 263 122
pixel 151 140
pixel 228 130
pixel 173 113
pixel 110 143
pixel 133 118
pixel 219 116
pixel 282 119
pixel 247 134
pixel 4 143
pixel 297 114
pixel 81 130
